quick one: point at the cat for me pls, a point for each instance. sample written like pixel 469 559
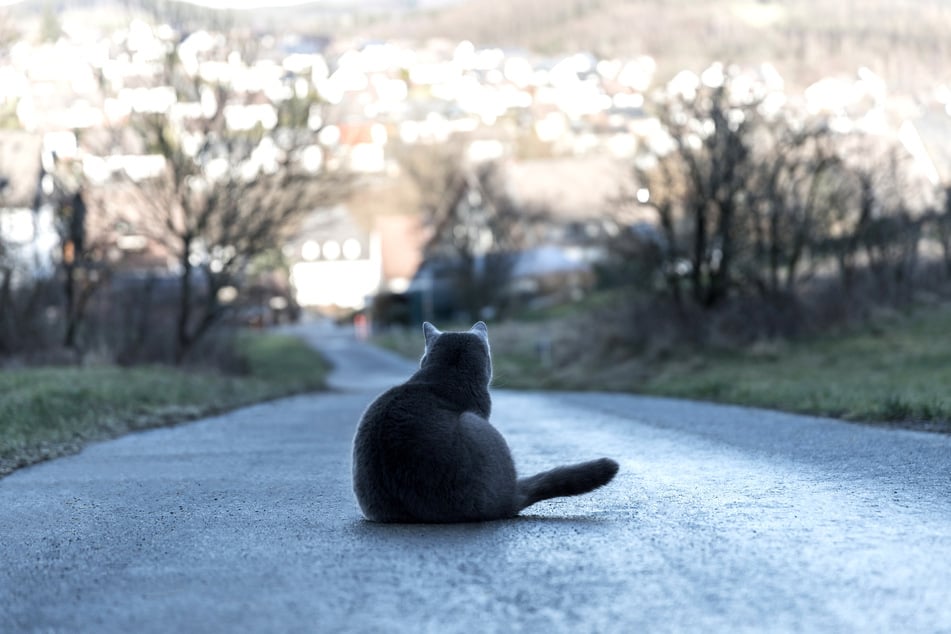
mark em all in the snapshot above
pixel 424 451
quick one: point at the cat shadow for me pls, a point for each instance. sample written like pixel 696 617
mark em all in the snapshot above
pixel 464 530
pixel 568 520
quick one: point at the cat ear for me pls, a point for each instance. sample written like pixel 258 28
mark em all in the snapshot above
pixel 480 329
pixel 430 332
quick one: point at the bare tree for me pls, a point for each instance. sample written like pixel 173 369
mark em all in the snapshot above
pixel 489 230
pixel 215 227
pixel 757 203
pixel 872 227
pixel 474 222
pixel 697 185
pixel 438 173
pixel 752 202
pixel 83 265
pixel 790 202
pixel 224 197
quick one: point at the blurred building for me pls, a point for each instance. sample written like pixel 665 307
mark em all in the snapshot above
pixel 338 264
pixel 28 236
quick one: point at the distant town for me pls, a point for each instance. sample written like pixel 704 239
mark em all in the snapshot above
pixel 368 98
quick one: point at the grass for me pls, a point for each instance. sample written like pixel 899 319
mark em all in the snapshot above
pixel 897 372
pixel 51 411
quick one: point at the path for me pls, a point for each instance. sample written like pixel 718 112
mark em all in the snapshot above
pixel 721 519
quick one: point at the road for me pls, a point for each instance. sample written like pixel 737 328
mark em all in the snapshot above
pixel 722 519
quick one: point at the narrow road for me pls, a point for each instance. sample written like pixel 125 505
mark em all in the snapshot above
pixel 721 519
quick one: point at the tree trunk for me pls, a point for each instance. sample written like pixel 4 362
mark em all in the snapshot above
pixel 69 338
pixel 7 333
pixel 183 340
pixel 699 253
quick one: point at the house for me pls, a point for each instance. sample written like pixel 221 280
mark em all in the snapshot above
pixel 339 262
pixel 358 147
pixel 550 274
pixel 63 92
pixel 402 238
pixel 335 263
pixel 537 276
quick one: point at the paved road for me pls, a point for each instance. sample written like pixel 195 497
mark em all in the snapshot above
pixel 721 519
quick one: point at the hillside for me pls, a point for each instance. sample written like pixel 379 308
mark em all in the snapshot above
pixel 906 41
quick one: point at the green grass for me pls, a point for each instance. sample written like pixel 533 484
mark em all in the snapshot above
pixel 49 411
pixel 897 372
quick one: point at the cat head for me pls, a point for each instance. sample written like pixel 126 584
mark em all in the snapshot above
pixel 467 351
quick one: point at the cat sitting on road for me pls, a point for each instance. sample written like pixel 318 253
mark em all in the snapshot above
pixel 425 451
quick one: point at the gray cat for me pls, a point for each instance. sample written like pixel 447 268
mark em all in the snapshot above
pixel 425 451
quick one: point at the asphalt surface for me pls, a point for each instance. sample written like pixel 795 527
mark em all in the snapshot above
pixel 722 519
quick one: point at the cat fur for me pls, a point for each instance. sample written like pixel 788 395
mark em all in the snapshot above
pixel 424 451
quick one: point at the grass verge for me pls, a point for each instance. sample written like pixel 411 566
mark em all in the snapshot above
pixel 894 373
pixel 51 411
pixel 897 373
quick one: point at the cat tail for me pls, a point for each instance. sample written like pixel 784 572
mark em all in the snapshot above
pixel 568 480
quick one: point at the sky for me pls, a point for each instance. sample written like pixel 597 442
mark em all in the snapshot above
pixel 245 4
pixel 219 4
